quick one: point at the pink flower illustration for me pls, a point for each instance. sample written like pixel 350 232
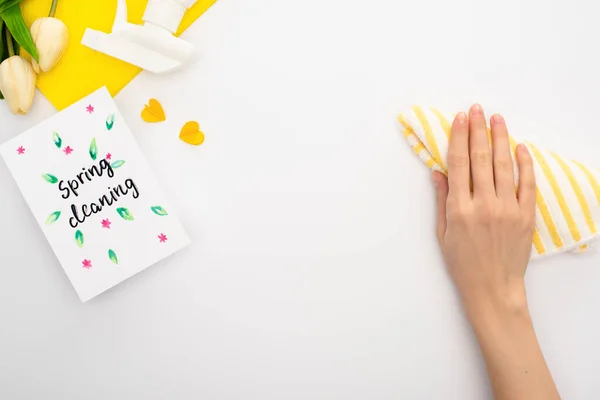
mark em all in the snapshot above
pixel 108 156
pixel 90 108
pixel 68 150
pixel 87 264
pixel 162 238
pixel 21 150
pixel 106 223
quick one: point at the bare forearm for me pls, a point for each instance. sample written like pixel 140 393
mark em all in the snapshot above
pixel 514 360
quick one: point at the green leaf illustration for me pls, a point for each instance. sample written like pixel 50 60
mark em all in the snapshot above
pixel 79 238
pixel 125 214
pixel 117 164
pixel 57 139
pixel 158 210
pixel 110 121
pixel 113 257
pixel 50 178
pixel 52 218
pixel 93 149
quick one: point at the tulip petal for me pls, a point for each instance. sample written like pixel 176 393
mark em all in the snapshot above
pixel 17 81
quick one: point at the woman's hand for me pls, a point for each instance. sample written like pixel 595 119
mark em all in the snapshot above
pixel 486 236
pixel 486 233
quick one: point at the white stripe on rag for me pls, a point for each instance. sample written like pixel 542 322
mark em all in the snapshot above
pixel 568 192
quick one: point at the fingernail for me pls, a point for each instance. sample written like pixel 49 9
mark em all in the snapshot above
pixel 521 148
pixel 435 178
pixel 461 118
pixel 476 110
pixel 497 119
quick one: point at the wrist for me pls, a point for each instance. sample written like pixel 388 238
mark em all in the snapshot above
pixel 497 305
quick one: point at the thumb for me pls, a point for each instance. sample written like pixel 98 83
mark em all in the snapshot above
pixel 441 186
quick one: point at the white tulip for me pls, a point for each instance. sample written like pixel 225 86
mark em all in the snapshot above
pixel 50 36
pixel 17 84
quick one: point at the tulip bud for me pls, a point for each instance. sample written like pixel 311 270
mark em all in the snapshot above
pixel 50 36
pixel 17 84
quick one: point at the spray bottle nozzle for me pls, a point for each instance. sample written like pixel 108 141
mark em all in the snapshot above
pixel 165 13
pixel 151 46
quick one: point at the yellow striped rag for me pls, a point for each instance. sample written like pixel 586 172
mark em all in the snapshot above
pixel 568 192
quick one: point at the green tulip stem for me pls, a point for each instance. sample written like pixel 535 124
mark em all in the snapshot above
pixel 9 43
pixel 53 8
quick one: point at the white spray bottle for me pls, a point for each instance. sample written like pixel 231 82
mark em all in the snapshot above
pixel 151 46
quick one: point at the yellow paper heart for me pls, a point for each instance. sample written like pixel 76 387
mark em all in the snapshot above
pixel 153 112
pixel 191 134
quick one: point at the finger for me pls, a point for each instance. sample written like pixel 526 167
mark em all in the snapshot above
pixel 441 187
pixel 481 154
pixel 459 172
pixel 527 186
pixel 504 168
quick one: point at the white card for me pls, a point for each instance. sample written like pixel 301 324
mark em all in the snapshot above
pixel 93 194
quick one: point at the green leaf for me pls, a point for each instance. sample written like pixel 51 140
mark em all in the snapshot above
pixel 117 164
pixel 110 121
pixel 93 149
pixel 6 4
pixel 113 257
pixel 50 178
pixel 2 49
pixel 79 238
pixel 158 210
pixel 52 218
pixel 57 139
pixel 16 25
pixel 16 47
pixel 125 214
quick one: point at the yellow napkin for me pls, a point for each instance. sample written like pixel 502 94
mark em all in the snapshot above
pixel 83 70
pixel 568 192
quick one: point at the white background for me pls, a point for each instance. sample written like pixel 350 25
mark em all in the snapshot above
pixel 314 273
